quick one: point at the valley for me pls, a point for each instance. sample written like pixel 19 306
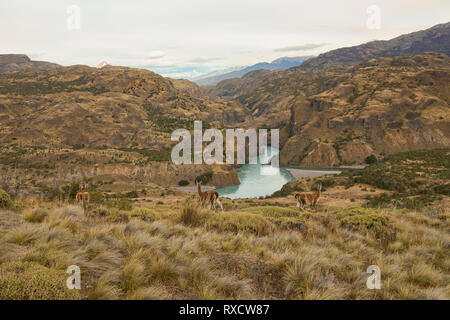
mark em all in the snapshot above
pixel 364 130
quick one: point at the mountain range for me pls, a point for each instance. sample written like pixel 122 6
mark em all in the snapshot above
pixel 278 64
pixel 435 39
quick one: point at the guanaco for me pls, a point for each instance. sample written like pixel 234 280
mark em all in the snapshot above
pixel 305 197
pixel 210 197
pixel 83 197
pixel 79 196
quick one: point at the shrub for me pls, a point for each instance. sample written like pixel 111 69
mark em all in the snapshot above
pixel 132 194
pixel 31 281
pixel 121 203
pixel 100 211
pixel 5 200
pixel 204 178
pixel 381 200
pixel 70 190
pixel 96 196
pixel 371 159
pixel 118 216
pixel 368 221
pixel 145 214
pixel 183 183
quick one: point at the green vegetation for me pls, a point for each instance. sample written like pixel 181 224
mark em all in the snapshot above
pixel 25 88
pixel 169 124
pixel 368 221
pixel 183 183
pixel 162 154
pixel 242 222
pixel 416 178
pixel 204 178
pixel 5 200
pixel 31 281
pixel 371 159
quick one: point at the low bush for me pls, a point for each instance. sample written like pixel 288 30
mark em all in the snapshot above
pixel 183 183
pixel 31 281
pixel 145 214
pixel 5 200
pixel 367 221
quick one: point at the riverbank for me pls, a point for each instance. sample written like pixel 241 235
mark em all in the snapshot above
pixel 193 189
pixel 304 173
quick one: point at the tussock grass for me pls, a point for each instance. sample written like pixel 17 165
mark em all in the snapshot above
pixel 240 222
pixel 35 215
pixel 145 214
pixel 192 214
pixel 154 292
pixel 23 235
pixel 257 251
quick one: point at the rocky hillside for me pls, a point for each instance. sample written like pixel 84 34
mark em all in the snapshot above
pixel 18 62
pixel 112 125
pixel 114 107
pixel 342 115
pixel 379 107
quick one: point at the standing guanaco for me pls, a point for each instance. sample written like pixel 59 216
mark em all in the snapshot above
pixel 79 196
pixel 83 197
pixel 305 197
pixel 210 197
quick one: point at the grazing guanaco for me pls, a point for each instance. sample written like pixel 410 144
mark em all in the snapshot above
pixel 83 197
pixel 79 196
pixel 305 197
pixel 211 197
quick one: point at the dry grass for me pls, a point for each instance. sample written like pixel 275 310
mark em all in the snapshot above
pixel 265 252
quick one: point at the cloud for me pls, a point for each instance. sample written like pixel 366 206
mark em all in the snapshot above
pixel 179 71
pixel 204 60
pixel 153 55
pixel 303 47
pixel 36 55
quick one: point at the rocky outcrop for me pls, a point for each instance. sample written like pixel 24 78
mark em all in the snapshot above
pixel 160 173
pixel 380 107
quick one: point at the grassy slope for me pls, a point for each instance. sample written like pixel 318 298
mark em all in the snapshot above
pixel 410 179
pixel 255 249
pixel 162 252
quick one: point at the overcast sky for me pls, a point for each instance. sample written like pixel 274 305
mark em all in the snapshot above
pixel 186 38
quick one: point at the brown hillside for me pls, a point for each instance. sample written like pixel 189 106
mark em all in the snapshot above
pixel 341 116
pixel 113 107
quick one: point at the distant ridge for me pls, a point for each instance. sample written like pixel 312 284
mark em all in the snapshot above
pixel 19 62
pixel 278 64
